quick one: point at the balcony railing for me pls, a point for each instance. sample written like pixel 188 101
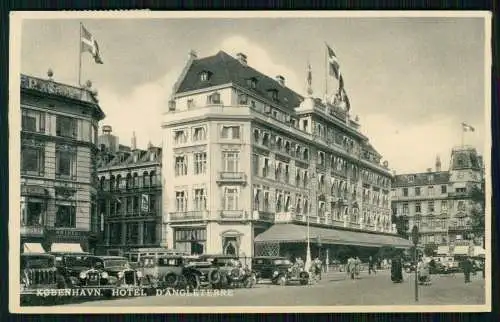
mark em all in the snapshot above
pixel 188 215
pixel 265 216
pixel 233 177
pixel 233 214
pixel 32 231
pixel 458 194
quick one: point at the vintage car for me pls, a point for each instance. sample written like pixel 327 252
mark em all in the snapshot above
pixel 112 270
pixel 79 270
pixel 279 270
pixel 233 274
pixel 39 271
pixel 177 271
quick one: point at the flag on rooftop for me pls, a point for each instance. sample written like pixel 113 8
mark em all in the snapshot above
pixel 467 127
pixel 333 63
pixel 89 44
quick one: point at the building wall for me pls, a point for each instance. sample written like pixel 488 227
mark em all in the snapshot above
pixel 77 189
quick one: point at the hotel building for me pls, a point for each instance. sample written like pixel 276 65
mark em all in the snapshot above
pixel 439 201
pixel 58 166
pixel 131 194
pixel 248 162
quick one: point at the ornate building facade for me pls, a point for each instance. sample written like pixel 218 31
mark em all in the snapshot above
pixel 131 193
pixel 58 166
pixel 242 152
pixel 439 202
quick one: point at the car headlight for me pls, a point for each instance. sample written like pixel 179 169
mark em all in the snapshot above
pixel 289 269
pixel 83 275
pixel 120 274
pixel 104 275
pixel 139 274
pixel 275 273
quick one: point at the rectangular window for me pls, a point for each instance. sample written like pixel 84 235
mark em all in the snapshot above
pixel 65 216
pixel 33 159
pixel 65 161
pixel 33 121
pixel 152 203
pixel 231 198
pixel 265 168
pixel 32 213
pixel 430 206
pixel 149 233
pixel 405 192
pixel 200 200
pixel 243 99
pixel 443 189
pixel 231 161
pixel 66 126
pixel 418 207
pixel 180 201
pixel 431 190
pixel 305 125
pixel 200 163
pixel 180 137
pixel 405 209
pixel 230 132
pixel 190 104
pixel 444 205
pixel 266 201
pixel 461 205
pixel 132 234
pixel 255 164
pixel 180 166
pixel 199 134
pixel 417 191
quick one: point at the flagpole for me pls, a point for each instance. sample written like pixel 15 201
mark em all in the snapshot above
pixel 326 74
pixel 80 58
pixel 463 133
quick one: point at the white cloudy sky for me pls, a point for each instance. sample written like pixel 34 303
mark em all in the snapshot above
pixel 412 81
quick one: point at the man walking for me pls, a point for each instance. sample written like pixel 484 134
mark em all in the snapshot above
pixel 467 268
pixel 371 266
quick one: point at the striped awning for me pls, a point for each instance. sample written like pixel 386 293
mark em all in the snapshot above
pixel 66 248
pixel 291 233
pixel 33 248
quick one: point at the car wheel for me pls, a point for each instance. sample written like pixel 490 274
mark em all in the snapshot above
pixel 304 281
pixel 171 280
pixel 192 283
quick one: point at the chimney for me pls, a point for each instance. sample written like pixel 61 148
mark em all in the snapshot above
pixel 429 169
pixel 106 129
pixel 438 164
pixel 134 141
pixel 280 79
pixel 242 58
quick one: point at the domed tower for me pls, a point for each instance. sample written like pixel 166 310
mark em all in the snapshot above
pixel 465 165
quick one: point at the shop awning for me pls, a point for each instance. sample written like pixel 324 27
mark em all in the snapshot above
pixel 33 248
pixel 290 233
pixel 443 250
pixel 478 251
pixel 66 248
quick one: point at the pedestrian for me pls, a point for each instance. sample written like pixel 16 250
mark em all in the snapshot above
pixel 357 266
pixel 317 267
pixel 423 273
pixel 467 268
pixel 371 266
pixel 396 270
pixel 350 267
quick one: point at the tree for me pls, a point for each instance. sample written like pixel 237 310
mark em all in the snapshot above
pixel 402 225
pixel 478 210
pixel 429 250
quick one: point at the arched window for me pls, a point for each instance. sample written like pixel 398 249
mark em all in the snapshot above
pixel 129 181
pixel 112 183
pixel 152 178
pixel 287 147
pixel 306 207
pixel 136 180
pixel 118 182
pixel 306 154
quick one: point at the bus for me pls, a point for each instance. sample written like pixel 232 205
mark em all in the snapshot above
pixel 134 255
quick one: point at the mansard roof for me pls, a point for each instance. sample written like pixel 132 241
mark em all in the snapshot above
pixel 421 179
pixel 224 69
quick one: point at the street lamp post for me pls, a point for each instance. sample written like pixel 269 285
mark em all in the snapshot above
pixel 415 237
pixel 308 251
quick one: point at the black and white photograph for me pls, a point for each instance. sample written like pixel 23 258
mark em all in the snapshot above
pixel 250 161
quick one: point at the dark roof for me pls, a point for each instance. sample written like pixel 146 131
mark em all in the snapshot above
pixel 124 159
pixel 421 179
pixel 224 69
pixel 465 159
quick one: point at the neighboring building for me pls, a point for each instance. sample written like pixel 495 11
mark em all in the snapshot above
pixel 58 166
pixel 131 190
pixel 439 202
pixel 242 152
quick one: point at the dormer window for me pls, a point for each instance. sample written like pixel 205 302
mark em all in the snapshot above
pixel 273 94
pixel 214 98
pixel 411 179
pixel 252 83
pixel 205 76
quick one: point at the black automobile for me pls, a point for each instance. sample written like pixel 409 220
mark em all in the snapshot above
pixel 279 270
pixel 115 268
pixel 233 274
pixel 39 271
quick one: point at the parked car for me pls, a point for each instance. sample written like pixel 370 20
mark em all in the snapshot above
pixel 79 270
pixel 177 271
pixel 116 268
pixel 279 270
pixel 409 267
pixel 39 271
pixel 233 274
